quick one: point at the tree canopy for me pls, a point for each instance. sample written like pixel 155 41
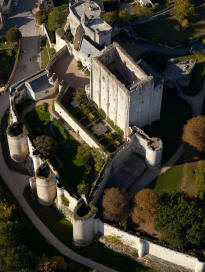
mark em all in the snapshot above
pixel 145 207
pixel 181 221
pixel 184 9
pixel 46 145
pixel 13 35
pixel 115 205
pixel 56 17
pixel 194 133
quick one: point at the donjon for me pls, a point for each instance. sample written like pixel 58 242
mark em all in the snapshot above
pixel 127 91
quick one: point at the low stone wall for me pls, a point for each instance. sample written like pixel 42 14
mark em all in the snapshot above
pixel 75 126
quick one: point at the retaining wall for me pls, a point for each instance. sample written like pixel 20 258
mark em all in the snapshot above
pixel 75 126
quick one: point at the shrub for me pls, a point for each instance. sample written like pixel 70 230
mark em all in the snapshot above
pixel 80 65
pixel 110 17
pixel 185 23
pixel 56 17
pixel 194 133
pixel 13 35
pixel 46 145
pixel 145 206
pixel 124 15
pixel 123 224
pixel 119 130
pixel 102 113
pixel 115 205
pixel 83 189
pixel 83 156
pixel 42 16
pixel 65 201
pixel 52 52
pixel 69 35
pixel 184 9
pixel 133 254
pixel 141 11
pixel 113 239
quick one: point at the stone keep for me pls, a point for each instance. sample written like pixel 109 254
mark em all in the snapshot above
pixel 128 95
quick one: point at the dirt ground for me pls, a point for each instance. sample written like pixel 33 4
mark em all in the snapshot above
pixel 66 69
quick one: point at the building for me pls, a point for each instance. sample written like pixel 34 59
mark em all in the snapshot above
pixel 84 19
pixel 42 4
pixel 37 86
pixel 127 91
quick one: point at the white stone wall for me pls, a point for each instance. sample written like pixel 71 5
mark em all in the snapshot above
pixel 83 134
pixel 83 233
pixel 60 43
pixel 18 147
pixel 72 201
pixel 109 95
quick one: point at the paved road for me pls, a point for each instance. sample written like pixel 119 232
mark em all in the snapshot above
pixel 23 19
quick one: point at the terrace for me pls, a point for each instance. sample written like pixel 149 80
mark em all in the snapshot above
pixel 92 119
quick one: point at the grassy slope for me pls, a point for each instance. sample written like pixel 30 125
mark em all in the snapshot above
pixel 179 177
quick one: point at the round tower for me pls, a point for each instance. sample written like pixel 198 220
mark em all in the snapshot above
pixel 45 185
pixel 18 142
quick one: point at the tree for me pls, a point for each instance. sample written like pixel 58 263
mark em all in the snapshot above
pixel 145 207
pixel 42 16
pixel 46 145
pixel 110 17
pixel 181 221
pixel 83 156
pixel 184 9
pixel 194 133
pixel 115 205
pixel 13 35
pixel 57 17
pixel 124 15
pixel 141 11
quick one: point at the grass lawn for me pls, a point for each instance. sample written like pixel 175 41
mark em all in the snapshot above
pixel 40 123
pixel 174 114
pixel 71 174
pixel 167 30
pixel 63 229
pixel 44 57
pixel 179 177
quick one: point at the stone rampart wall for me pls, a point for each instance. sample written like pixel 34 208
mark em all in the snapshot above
pixel 58 55
pixel 143 247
